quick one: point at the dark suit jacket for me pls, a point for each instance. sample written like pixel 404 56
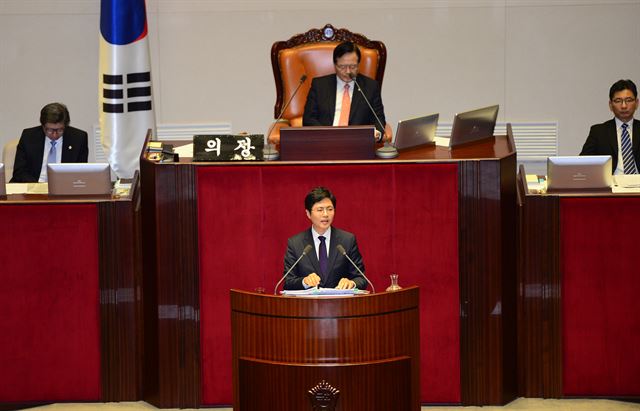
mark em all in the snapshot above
pixel 320 108
pixel 338 265
pixel 603 140
pixel 30 150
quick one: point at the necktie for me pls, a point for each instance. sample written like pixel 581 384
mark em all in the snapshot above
pixel 627 152
pixel 52 153
pixel 346 107
pixel 322 257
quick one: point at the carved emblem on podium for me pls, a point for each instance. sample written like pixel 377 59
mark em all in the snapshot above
pixel 323 397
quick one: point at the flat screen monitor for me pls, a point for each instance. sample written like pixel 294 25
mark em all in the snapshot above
pixel 474 125
pixel 3 187
pixel 416 132
pixel 579 173
pixel 79 178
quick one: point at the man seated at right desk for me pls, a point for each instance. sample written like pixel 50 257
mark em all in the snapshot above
pixel 324 267
pixel 53 141
pixel 615 137
pixel 334 100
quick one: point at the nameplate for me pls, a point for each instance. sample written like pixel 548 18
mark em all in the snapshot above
pixel 228 147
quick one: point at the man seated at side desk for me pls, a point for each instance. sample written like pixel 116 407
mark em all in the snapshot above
pixel 616 136
pixel 334 100
pixel 324 267
pixel 53 141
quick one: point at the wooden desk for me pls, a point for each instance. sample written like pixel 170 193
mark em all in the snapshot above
pixel 70 287
pixel 443 220
pixel 578 327
pixel 284 346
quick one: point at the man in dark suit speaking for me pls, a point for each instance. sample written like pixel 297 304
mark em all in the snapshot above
pixel 53 141
pixel 324 267
pixel 616 137
pixel 335 100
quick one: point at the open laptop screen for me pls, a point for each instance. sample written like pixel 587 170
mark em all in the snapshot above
pixel 579 173
pixel 416 131
pixel 472 126
pixel 79 178
pixel 3 187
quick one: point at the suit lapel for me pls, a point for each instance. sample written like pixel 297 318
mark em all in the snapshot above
pixel 636 138
pixel 333 251
pixel 313 257
pixel 331 97
pixel 68 149
pixel 356 100
pixel 612 138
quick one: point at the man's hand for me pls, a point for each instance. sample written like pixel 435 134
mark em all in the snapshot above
pixel 345 284
pixel 312 280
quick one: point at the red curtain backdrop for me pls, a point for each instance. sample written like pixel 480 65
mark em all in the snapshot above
pixel 600 288
pixel 405 217
pixel 49 327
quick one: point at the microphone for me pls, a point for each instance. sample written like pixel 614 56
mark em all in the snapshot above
pixel 270 153
pixel 307 250
pixel 387 151
pixel 342 251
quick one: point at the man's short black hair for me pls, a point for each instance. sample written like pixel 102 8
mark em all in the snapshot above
pixel 316 195
pixel 621 85
pixel 55 113
pixel 344 48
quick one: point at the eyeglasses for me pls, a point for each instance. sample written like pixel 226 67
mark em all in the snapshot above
pixel 54 130
pixel 619 101
pixel 347 66
pixel 321 210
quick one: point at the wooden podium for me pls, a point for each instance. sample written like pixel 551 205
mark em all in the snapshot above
pixel 366 347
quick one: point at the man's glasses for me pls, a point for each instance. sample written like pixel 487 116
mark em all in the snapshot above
pixel 54 130
pixel 619 101
pixel 347 66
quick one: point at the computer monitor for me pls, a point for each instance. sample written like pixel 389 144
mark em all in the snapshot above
pixel 79 178
pixel 472 126
pixel 579 173
pixel 3 187
pixel 416 132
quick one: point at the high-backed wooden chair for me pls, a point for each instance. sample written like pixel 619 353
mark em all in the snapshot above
pixel 311 54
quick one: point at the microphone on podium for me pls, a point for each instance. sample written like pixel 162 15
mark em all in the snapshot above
pixel 388 150
pixel 307 250
pixel 342 251
pixel 270 152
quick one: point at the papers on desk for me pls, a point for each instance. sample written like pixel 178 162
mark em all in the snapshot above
pixel 27 188
pixel 184 151
pixel 442 141
pixel 626 183
pixel 320 292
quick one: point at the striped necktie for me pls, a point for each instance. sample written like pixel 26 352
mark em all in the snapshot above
pixel 628 160
pixel 51 158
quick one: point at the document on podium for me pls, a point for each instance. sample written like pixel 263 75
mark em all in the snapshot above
pixel 320 292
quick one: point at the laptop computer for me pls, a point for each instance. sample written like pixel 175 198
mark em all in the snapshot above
pixel 579 173
pixel 79 178
pixel 474 125
pixel 3 187
pixel 416 132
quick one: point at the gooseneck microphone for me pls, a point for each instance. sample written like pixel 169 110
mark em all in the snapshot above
pixel 342 251
pixel 302 80
pixel 353 77
pixel 307 250
pixel 387 151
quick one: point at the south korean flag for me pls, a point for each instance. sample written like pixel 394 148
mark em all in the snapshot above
pixel 125 93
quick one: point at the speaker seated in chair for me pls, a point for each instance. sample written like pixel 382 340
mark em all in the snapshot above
pixel 309 56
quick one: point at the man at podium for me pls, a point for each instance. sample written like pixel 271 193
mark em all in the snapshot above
pixel 335 100
pixel 325 267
